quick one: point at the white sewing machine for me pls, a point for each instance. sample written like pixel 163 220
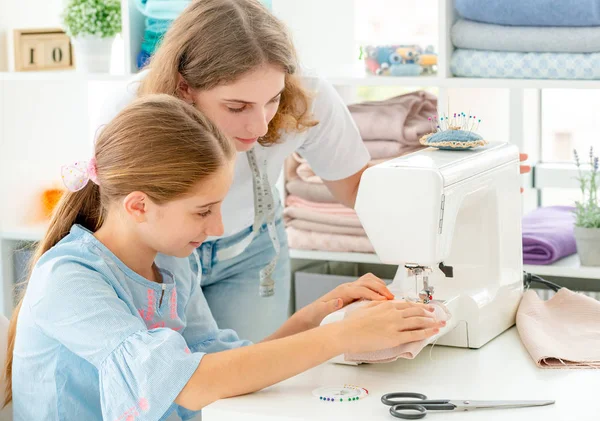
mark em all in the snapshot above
pixel 451 220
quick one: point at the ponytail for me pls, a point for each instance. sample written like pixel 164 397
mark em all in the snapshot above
pixel 81 207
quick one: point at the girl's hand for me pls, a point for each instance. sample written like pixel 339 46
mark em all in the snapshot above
pixel 367 287
pixel 381 325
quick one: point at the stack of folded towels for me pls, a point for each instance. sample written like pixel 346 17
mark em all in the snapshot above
pixel 159 16
pixel 389 128
pixel 530 39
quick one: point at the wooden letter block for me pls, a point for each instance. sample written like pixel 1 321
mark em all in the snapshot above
pixel 42 49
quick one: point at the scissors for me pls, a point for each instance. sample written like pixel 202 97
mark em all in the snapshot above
pixel 400 405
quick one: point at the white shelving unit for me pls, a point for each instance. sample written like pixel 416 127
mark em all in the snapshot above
pixel 65 76
pixel 458 82
pixel 568 267
pixel 520 100
pixel 34 232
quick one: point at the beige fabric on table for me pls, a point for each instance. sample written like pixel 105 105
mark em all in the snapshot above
pixel 563 332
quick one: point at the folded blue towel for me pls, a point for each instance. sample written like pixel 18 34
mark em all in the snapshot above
pixel 159 17
pixel 532 12
pixel 143 58
pixel 501 64
pixel 473 35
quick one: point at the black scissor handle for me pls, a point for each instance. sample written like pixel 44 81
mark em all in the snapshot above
pixel 398 411
pixel 387 398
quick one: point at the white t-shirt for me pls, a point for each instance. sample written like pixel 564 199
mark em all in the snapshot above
pixel 333 148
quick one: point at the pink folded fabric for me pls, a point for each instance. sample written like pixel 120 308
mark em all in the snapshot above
pixel 310 240
pixel 310 191
pixel 304 171
pixel 408 351
pixel 330 208
pixel 403 118
pixel 304 225
pixel 382 149
pixel 290 166
pixel 563 332
pixel 306 174
pixel 350 220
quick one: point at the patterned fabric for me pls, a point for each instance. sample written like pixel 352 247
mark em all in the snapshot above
pixel 494 64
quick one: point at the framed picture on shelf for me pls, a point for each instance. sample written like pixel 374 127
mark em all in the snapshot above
pixel 41 49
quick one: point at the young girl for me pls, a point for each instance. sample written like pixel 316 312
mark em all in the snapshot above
pixel 234 61
pixel 114 324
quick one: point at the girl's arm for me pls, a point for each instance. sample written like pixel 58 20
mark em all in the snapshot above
pixel 346 189
pixel 367 287
pixel 251 368
pixel 378 325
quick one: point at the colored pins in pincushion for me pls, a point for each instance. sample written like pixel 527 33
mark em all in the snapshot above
pixel 453 133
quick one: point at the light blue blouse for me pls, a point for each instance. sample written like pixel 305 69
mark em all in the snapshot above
pixel 97 341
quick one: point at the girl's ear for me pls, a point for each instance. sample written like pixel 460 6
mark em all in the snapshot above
pixel 184 90
pixel 135 205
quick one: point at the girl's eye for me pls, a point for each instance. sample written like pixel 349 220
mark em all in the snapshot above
pixel 236 110
pixel 205 214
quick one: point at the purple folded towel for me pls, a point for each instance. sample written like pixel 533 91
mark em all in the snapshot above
pixel 548 235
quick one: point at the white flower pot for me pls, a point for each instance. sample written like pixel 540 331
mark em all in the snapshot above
pixel 92 54
pixel 588 245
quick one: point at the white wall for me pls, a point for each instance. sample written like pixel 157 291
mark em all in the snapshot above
pixel 570 121
pixel 489 105
pixel 321 30
pixel 19 14
pixel 44 126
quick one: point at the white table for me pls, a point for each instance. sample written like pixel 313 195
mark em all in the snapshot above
pixel 502 369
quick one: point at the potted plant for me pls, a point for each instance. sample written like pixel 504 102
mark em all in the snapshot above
pixel 92 26
pixel 587 214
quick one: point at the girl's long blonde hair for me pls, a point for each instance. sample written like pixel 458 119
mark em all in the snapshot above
pixel 215 42
pixel 159 145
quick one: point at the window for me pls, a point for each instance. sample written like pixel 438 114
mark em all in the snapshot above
pixel 570 120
